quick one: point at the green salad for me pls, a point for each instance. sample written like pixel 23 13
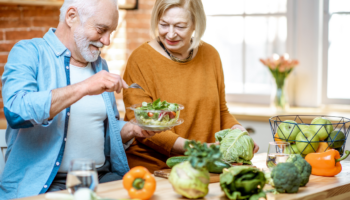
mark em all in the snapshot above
pixel 157 113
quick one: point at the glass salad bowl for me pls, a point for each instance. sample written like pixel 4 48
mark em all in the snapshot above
pixel 157 116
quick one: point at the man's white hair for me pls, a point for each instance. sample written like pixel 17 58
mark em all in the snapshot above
pixel 86 8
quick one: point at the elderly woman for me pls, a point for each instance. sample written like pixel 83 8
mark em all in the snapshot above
pixel 180 69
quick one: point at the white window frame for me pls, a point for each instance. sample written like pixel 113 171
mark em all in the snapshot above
pixel 264 98
pixel 326 18
pixel 305 28
pixel 307 41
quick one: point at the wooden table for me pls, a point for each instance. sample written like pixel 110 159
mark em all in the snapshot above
pixel 318 188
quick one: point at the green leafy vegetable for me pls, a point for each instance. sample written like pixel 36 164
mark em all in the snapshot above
pixel 159 105
pixel 189 182
pixel 268 178
pixel 191 178
pixel 200 155
pixel 235 146
pixel 258 196
pixel 243 182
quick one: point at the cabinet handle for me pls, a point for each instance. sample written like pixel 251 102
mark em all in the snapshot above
pixel 250 130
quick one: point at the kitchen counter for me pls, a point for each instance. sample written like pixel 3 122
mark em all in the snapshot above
pixel 318 188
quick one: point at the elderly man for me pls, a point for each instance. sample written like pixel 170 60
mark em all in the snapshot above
pixel 59 103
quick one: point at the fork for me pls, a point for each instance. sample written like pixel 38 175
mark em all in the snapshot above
pixel 135 85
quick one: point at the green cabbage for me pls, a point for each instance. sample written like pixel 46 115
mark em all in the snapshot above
pixel 188 181
pixel 235 146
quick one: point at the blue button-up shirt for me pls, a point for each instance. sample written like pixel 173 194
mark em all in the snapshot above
pixel 35 144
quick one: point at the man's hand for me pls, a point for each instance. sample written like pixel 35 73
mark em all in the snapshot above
pixel 237 126
pixel 103 81
pixel 130 131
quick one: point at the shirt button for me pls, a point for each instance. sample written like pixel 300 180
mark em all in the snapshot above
pixel 45 186
pixel 67 53
pixel 67 67
pixel 65 139
pixel 57 163
pixel 68 113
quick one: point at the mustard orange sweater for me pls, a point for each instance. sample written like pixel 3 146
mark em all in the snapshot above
pixel 197 84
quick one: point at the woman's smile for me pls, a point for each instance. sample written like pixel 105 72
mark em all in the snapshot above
pixel 172 42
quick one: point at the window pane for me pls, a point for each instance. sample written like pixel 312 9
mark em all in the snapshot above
pixel 220 7
pixel 338 57
pixel 264 36
pixel 339 5
pixel 265 6
pixel 226 35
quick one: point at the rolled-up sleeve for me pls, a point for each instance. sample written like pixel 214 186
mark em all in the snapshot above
pixel 24 105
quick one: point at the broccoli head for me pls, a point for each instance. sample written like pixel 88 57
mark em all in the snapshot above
pixel 286 178
pixel 303 167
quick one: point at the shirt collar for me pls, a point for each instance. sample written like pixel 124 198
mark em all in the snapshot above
pixel 55 44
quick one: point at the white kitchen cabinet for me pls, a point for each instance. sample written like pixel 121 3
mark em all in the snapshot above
pixel 263 135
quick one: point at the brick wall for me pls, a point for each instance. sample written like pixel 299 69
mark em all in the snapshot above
pixel 22 22
pixel 26 22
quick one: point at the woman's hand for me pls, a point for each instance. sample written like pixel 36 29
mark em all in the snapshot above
pixel 237 126
pixel 214 143
pixel 130 131
pixel 256 148
pixel 139 132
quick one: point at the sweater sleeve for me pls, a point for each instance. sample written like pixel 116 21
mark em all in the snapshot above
pixel 161 142
pixel 227 120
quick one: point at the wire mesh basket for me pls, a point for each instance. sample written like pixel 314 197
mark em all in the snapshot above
pixel 311 133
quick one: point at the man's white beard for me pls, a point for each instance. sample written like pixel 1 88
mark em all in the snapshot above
pixel 83 45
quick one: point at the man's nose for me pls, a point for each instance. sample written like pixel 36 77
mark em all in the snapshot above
pixel 105 39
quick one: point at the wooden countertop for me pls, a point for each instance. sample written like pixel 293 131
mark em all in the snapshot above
pixel 318 188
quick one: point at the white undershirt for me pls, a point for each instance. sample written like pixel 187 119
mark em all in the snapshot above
pixel 85 135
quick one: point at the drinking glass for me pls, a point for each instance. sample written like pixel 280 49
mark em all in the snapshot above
pixel 82 174
pixel 278 152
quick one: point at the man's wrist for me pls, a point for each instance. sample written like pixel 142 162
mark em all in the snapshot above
pixel 81 89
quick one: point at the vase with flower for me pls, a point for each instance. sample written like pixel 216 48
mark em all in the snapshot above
pixel 280 68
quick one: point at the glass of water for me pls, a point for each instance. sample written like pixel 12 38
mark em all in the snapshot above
pixel 278 152
pixel 82 174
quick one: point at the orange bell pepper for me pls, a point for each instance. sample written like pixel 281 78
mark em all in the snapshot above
pixel 139 183
pixel 322 147
pixel 277 138
pixel 326 163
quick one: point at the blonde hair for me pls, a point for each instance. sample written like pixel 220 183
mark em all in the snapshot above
pixel 195 7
